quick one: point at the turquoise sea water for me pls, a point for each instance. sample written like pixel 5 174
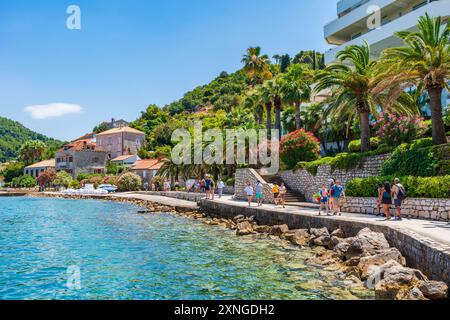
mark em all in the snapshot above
pixel 123 255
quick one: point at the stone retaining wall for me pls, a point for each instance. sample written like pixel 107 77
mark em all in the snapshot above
pixel 420 252
pixel 307 184
pixel 433 209
pixel 250 175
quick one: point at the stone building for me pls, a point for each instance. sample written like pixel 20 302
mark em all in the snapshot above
pixel 147 169
pixel 121 141
pixel 81 156
pixel 36 169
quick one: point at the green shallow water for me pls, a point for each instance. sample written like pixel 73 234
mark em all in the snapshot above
pixel 124 255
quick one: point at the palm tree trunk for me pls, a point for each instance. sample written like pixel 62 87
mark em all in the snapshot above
pixel 269 119
pixel 365 131
pixel 439 136
pixel 260 115
pixel 298 124
pixel 278 117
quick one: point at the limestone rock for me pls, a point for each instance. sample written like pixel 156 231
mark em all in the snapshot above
pixel 397 282
pixel 366 243
pixel 415 294
pixel 341 248
pixel 279 230
pixel 238 217
pixel 338 233
pixel 379 259
pixel 298 237
pixel 434 290
pixel 316 233
pixel 322 241
pixel 244 228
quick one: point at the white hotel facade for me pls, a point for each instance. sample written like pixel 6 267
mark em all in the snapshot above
pixel 351 25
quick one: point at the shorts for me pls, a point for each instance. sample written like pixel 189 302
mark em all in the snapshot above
pixel 275 195
pixel 207 188
pixel 324 200
pixel 259 196
pixel 397 203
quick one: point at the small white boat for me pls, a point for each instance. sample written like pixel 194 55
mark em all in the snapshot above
pixel 108 187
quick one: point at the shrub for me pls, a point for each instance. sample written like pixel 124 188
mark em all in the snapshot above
pixel 420 158
pixel 62 179
pixel 416 187
pixel 394 130
pixel 24 181
pixel 355 145
pixel 46 178
pixel 110 180
pixel 129 182
pixel 74 184
pixel 343 161
pixel 299 146
pixel 12 170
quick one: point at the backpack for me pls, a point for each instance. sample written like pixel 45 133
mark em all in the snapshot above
pixel 401 195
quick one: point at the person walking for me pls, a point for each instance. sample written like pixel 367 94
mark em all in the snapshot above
pixel 212 188
pixel 207 188
pixel 276 193
pixel 249 192
pixel 259 189
pixel 331 191
pixel 283 191
pixel 386 200
pixel 220 187
pixel 338 194
pixel 324 200
pixel 399 194
pixel 380 198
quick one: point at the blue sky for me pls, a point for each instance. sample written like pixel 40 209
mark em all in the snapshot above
pixel 129 54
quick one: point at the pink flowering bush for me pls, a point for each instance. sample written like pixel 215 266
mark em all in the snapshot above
pixel 394 130
pixel 299 146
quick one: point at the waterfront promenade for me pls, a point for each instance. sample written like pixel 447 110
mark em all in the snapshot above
pixel 434 230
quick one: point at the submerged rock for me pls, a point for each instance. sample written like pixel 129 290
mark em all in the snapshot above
pixel 262 229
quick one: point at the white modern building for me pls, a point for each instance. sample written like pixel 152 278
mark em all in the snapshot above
pixel 377 21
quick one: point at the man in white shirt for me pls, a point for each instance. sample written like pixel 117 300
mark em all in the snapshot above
pixel 220 186
pixel 249 192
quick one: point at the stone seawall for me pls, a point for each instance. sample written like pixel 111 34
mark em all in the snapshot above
pixel 420 252
pixel 308 184
pixel 431 209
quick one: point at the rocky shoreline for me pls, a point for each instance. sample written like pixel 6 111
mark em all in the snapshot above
pixel 365 260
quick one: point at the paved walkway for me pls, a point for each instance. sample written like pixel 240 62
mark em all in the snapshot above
pixel 435 230
pixel 166 201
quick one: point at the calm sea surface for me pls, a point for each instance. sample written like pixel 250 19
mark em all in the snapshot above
pixel 79 249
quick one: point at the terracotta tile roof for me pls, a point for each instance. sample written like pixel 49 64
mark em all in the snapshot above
pixel 43 164
pixel 80 145
pixel 87 136
pixel 122 158
pixel 120 130
pixel 148 164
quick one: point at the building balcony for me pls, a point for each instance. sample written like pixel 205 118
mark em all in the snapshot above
pixel 384 37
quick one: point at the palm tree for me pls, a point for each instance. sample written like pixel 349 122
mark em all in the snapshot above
pixel 253 101
pixel 31 151
pixel 267 99
pixel 296 90
pixel 272 95
pixel 352 79
pixel 256 66
pixel 425 59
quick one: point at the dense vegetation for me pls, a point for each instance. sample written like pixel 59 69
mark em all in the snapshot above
pixel 14 135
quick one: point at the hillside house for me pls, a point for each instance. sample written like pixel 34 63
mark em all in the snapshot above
pixel 36 169
pixel 121 141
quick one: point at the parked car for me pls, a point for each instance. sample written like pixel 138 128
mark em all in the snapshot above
pixel 108 187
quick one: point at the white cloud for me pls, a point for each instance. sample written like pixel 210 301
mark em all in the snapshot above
pixel 52 110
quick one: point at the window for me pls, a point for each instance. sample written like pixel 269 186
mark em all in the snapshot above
pixel 95 160
pixel 110 141
pixel 70 159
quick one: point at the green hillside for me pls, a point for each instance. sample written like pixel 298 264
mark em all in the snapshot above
pixel 13 135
